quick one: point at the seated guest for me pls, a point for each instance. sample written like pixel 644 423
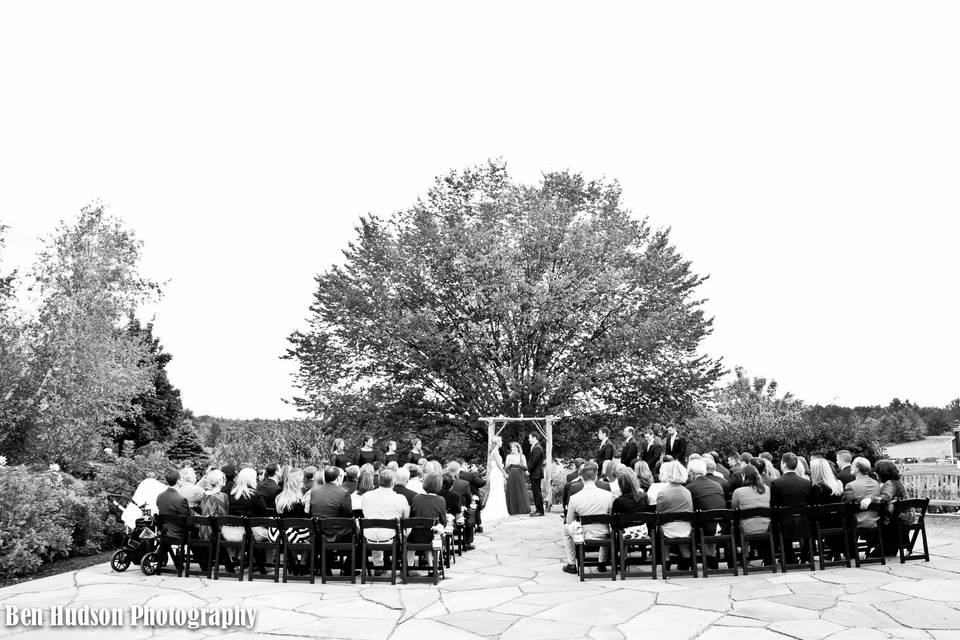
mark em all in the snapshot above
pixel 351 478
pixel 827 489
pixel 291 503
pixel 214 503
pixel 269 488
pixel 329 500
pixel 643 473
pixel 803 467
pixel 760 465
pixel 172 503
pixel 735 466
pixel 230 473
pixel 427 505
pixel 454 503
pixel 771 470
pixel 245 501
pixel 675 498
pixel 792 490
pixel 476 482
pixel 383 503
pixel 415 483
pixel 714 476
pixel 707 495
pixel 462 488
pixel 722 470
pixel 891 491
pixel 632 498
pixel 188 488
pixel 588 501
pixel 565 494
pixel 753 494
pixel 365 484
pixel 308 473
pixel 863 490
pixel 573 475
pixel 844 466
pixel 400 484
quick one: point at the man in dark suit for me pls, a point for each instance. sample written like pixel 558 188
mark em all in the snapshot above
pixel 675 446
pixel 462 488
pixel 707 495
pixel 329 500
pixel 476 482
pixel 535 466
pixel 606 447
pixel 171 503
pixel 790 490
pixel 714 475
pixel 844 467
pixel 350 478
pixel 269 487
pixel 650 450
pixel 630 453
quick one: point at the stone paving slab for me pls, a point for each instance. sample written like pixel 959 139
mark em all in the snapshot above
pixel 512 587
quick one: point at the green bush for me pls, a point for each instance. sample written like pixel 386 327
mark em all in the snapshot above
pixel 43 518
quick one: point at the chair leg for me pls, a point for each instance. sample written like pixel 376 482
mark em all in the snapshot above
pixel 613 559
pixel 580 561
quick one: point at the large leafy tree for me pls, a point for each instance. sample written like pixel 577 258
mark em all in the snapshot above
pixel 160 408
pixel 491 297
pixel 83 368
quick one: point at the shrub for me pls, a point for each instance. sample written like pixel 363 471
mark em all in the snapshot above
pixel 43 517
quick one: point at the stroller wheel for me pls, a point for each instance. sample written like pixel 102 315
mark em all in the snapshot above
pixel 120 560
pixel 150 564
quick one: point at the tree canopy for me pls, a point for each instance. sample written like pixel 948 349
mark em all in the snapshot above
pixel 492 297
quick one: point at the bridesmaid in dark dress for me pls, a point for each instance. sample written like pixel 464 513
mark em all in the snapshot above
pixel 416 452
pixel 391 453
pixel 517 500
pixel 339 458
pixel 365 454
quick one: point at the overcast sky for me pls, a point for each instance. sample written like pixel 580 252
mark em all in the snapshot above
pixel 806 155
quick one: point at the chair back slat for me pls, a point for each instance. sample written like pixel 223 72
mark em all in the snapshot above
pixel 597 519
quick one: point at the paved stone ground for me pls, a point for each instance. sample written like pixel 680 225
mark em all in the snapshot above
pixel 512 587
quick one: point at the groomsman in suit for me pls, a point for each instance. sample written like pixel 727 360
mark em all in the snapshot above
pixel 675 445
pixel 476 482
pixel 650 451
pixel 606 447
pixel 628 457
pixel 535 466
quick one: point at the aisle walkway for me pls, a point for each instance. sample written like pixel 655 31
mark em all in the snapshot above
pixel 512 587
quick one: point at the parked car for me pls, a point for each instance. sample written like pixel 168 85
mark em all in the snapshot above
pixel 911 461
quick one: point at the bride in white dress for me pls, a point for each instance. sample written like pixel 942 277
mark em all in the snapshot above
pixel 496 507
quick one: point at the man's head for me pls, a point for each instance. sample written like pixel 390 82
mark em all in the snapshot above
pixel 353 472
pixel 172 477
pixel 602 434
pixel 844 458
pixel 733 458
pixel 589 472
pixel 454 467
pixel 331 475
pixel 648 436
pixel 628 432
pixel 710 464
pixel 861 466
pixel 391 446
pixel 402 476
pixel 386 479
pixel 393 466
pixel 414 470
pixel 533 439
pixel 229 471
pixel 697 468
pixel 672 430
pixel 416 444
pixel 788 462
pixel 273 470
pixel 368 441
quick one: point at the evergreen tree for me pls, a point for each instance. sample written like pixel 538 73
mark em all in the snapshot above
pixel 186 446
pixel 158 410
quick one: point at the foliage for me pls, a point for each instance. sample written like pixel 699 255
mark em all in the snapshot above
pixel 256 443
pixel 79 369
pixel 490 298
pixel 121 476
pixel 159 408
pixel 186 446
pixel 43 517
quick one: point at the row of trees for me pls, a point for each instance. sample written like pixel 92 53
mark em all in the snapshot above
pixel 77 369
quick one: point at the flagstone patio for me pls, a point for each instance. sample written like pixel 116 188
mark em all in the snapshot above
pixel 511 586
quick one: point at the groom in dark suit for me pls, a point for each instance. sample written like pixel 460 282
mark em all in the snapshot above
pixel 535 466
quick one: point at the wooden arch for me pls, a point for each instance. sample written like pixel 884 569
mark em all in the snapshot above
pixel 544 425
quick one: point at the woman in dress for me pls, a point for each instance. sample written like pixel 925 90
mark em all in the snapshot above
pixel 338 458
pixel 365 454
pixel 416 451
pixel 517 501
pixel 496 506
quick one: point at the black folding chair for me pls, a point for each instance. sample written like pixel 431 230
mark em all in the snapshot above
pixel 333 543
pixel 642 544
pixel 868 538
pixel 761 536
pixel 831 522
pixel 392 547
pixel 423 527
pixel 197 548
pixel 597 544
pixel 231 526
pixel 798 517
pixel 306 550
pixel 259 548
pixel 154 562
pixel 718 527
pixel 906 542
pixel 690 540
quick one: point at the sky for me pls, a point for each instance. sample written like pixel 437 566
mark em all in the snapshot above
pixel 805 156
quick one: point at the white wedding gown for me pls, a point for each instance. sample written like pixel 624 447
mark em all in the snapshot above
pixel 496 507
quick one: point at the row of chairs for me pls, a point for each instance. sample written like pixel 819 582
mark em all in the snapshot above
pixel 328 541
pixel 833 535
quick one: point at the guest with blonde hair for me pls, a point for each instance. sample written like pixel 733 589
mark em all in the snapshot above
pixel 675 498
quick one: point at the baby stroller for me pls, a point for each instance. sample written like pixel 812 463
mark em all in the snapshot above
pixel 139 539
